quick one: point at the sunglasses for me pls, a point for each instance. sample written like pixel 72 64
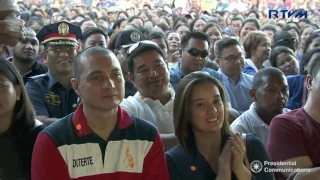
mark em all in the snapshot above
pixel 196 53
pixel 140 43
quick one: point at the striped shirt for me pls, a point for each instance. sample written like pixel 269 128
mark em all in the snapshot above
pixel 69 149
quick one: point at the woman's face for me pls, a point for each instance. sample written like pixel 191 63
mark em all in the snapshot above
pixel 183 30
pixel 263 50
pixel 103 23
pixel 306 33
pixel 198 25
pixel 174 42
pixel 207 109
pixel 9 95
pixel 214 35
pixel 288 64
pixel 248 27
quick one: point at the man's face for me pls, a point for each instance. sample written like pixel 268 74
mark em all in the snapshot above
pixel 194 55
pixel 231 61
pixel 95 40
pixel 101 84
pixel 27 51
pixel 150 73
pixel 273 94
pixel 270 33
pixel 235 27
pixel 111 16
pixel 60 59
pixel 122 57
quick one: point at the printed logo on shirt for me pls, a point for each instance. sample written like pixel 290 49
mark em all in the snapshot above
pixel 128 159
pixel 53 99
pixel 87 161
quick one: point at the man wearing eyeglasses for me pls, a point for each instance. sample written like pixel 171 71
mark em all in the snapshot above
pixel 51 94
pixel 230 58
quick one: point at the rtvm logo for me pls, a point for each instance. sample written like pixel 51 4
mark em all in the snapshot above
pixel 284 14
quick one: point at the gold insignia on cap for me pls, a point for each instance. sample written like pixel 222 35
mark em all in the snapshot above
pixel 63 29
pixel 135 37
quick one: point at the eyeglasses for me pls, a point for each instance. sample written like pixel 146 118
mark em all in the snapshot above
pixel 232 58
pixel 196 53
pixel 144 42
pixel 60 49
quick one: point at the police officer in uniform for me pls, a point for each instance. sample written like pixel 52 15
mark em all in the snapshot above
pixel 51 94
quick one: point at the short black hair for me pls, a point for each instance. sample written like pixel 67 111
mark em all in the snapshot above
pixel 275 53
pixel 210 25
pixel 158 35
pixel 166 19
pixel 197 35
pixel 269 27
pixel 124 12
pixel 134 17
pixel 94 30
pixel 252 20
pixel 306 61
pixel 146 13
pixel 104 18
pixel 77 66
pixel 179 25
pixel 308 21
pixel 180 18
pixel 309 40
pixel 314 66
pixel 163 26
pixel 288 28
pixel 117 23
pixel 193 22
pixel 224 43
pixel 258 79
pixel 236 19
pixel 305 27
pixel 255 12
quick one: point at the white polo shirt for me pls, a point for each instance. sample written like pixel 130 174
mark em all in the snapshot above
pixel 152 110
pixel 250 122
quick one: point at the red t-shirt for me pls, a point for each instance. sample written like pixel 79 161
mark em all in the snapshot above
pixel 294 134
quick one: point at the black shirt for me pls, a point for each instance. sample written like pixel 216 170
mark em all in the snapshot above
pixel 15 158
pixel 36 69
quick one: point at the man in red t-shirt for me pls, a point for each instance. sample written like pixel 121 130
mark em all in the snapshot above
pixel 295 136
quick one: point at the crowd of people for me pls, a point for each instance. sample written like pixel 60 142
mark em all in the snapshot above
pixel 159 92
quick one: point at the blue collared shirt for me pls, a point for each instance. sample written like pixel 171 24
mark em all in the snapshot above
pixel 239 92
pixel 176 75
pixel 49 98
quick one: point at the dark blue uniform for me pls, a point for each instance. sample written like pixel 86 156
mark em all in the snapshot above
pixel 50 98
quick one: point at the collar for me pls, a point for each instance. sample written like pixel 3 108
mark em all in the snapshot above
pixel 178 69
pixel 252 65
pixel 255 118
pixel 82 128
pixel 52 80
pixel 146 99
pixel 226 78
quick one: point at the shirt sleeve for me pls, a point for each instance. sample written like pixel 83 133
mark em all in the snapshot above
pixel 6 5
pixel 237 126
pixel 35 95
pixel 285 139
pixel 155 165
pixel 257 152
pixel 47 163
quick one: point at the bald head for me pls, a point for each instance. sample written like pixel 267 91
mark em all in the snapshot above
pixel 87 54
